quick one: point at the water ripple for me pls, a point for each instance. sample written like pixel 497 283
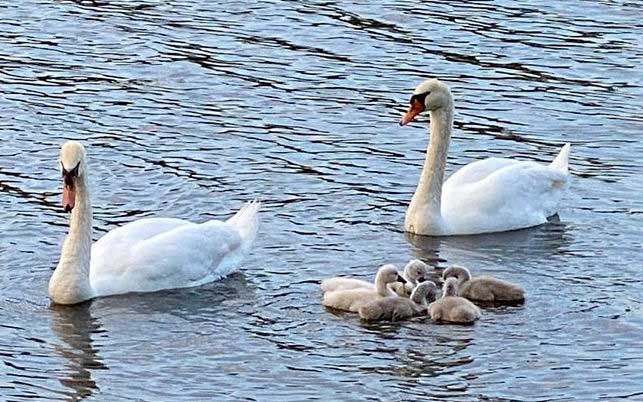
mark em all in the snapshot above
pixel 188 109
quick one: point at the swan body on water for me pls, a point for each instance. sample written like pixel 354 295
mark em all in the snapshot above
pixel 353 299
pixel 491 195
pixel 343 283
pixel 484 288
pixel 146 255
pixel 394 308
pixel 453 308
pixel 415 271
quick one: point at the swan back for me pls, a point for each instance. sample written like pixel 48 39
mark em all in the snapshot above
pixel 343 283
pixel 392 308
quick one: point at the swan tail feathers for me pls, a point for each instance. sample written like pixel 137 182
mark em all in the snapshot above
pixel 246 220
pixel 562 160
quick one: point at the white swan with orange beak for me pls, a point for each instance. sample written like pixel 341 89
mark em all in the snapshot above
pixel 146 255
pixel 491 195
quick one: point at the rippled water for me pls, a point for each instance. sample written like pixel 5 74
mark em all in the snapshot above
pixel 190 108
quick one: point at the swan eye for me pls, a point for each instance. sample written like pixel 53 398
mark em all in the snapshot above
pixel 420 97
pixel 74 171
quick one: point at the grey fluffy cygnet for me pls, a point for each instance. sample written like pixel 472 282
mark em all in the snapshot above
pixel 353 299
pixel 395 308
pixel 453 308
pixel 484 288
pixel 415 271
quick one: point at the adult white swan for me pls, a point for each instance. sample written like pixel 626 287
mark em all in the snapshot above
pixel 491 195
pixel 145 255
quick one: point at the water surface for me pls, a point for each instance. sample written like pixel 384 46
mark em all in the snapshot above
pixel 188 109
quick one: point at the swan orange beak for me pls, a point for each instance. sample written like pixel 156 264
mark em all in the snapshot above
pixel 416 108
pixel 69 196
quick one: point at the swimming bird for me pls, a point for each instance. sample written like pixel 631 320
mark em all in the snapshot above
pixel 490 195
pixel 146 255
pixel 484 288
pixel 453 308
pixel 415 271
pixel 353 299
pixel 395 308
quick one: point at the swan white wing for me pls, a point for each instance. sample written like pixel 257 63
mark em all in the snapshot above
pixel 476 171
pixel 518 195
pixel 131 233
pixel 188 255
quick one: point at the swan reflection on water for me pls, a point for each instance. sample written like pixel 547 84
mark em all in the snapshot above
pixel 538 243
pixel 75 327
pixel 209 302
pixel 79 330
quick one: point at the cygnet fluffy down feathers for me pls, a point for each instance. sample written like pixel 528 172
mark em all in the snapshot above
pixel 484 288
pixel 453 308
pixel 394 308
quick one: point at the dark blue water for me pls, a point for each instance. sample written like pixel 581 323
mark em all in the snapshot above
pixel 188 109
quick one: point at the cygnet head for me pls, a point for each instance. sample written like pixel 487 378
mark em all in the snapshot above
pixel 456 271
pixel 450 287
pixel 430 95
pixel 425 293
pixel 72 166
pixel 416 271
pixel 388 274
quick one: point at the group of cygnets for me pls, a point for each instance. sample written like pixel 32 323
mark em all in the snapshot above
pixel 396 296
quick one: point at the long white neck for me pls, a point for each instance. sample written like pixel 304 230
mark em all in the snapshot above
pixel 69 283
pixel 424 213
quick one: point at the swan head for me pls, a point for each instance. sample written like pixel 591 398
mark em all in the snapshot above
pixel 425 293
pixel 456 271
pixel 416 271
pixel 430 95
pixel 388 274
pixel 450 287
pixel 72 167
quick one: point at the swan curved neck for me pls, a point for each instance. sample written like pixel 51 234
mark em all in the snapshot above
pixel 69 283
pixel 427 200
pixel 382 287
